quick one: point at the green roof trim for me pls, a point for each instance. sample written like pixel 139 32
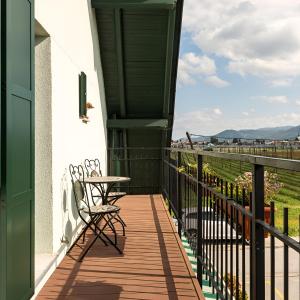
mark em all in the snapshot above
pixel 139 48
pixel 156 4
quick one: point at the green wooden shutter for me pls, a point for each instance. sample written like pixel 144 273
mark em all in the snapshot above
pixel 17 146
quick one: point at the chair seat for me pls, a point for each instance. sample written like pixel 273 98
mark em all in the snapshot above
pixel 116 194
pixel 103 209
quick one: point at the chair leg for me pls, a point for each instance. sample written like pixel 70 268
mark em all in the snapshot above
pixel 120 220
pixel 77 239
pixel 83 254
pixel 88 225
pixel 83 234
pixel 101 231
pixel 112 227
pixel 113 200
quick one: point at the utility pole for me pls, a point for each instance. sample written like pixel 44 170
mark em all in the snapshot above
pixel 190 140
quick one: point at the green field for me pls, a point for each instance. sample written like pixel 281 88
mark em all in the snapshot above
pixel 278 152
pixel 288 196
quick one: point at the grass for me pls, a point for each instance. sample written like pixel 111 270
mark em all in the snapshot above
pixel 288 196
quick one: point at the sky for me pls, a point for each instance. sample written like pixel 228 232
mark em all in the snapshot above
pixel 239 66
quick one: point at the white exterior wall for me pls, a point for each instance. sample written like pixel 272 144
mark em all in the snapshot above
pixel 74 48
pixel 43 146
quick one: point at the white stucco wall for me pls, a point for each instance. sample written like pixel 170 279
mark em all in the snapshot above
pixel 74 48
pixel 43 145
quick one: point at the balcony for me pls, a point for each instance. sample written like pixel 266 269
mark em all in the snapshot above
pixel 154 264
pixel 237 250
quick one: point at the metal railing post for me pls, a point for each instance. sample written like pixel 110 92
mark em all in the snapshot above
pixel 162 171
pixel 258 241
pixel 199 218
pixel 169 183
pixel 109 161
pixel 179 201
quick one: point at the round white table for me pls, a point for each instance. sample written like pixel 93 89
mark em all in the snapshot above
pixel 110 181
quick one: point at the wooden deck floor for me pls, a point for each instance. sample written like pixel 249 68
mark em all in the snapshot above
pixel 153 264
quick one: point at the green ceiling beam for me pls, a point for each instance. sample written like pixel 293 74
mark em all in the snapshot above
pixel 169 60
pixel 137 123
pixel 119 49
pixel 157 4
pixel 121 77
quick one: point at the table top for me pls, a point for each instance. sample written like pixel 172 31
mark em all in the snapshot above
pixel 106 179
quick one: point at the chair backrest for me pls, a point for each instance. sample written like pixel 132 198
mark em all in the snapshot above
pixel 79 189
pixel 93 167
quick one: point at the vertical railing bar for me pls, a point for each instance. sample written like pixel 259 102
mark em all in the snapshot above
pixel 237 245
pixel 222 238
pixel 213 239
pixel 217 241
pixel 251 249
pixel 199 218
pixel 169 181
pixel 243 249
pixel 206 231
pixel 210 234
pixel 272 253
pixel 184 204
pixel 226 242
pixel 231 243
pixel 286 255
pixel 258 243
pixel 179 195
pixel 189 205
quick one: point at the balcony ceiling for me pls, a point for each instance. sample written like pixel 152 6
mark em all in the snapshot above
pixel 139 42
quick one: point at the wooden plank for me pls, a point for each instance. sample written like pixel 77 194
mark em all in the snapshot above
pixel 153 265
pixel 156 4
pixel 137 123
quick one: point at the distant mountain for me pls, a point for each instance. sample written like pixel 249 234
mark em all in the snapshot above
pixel 276 133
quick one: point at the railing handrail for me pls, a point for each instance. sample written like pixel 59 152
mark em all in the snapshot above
pixel 134 148
pixel 280 163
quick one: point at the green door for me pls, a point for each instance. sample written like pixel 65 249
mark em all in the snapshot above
pixel 17 147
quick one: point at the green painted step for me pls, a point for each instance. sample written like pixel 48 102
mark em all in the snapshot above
pixel 209 295
pixel 205 283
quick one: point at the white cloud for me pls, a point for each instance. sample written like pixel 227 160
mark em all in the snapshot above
pixel 259 38
pixel 297 102
pixel 273 99
pixel 192 67
pixel 217 111
pixel 245 113
pixel 216 81
pixel 281 82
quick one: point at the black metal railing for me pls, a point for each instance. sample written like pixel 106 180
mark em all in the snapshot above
pixel 142 165
pixel 232 234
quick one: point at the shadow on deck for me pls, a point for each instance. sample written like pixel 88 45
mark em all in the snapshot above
pixel 153 265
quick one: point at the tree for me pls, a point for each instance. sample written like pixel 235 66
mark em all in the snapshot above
pixel 214 140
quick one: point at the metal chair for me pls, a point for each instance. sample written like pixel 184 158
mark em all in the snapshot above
pixel 96 213
pixel 93 169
